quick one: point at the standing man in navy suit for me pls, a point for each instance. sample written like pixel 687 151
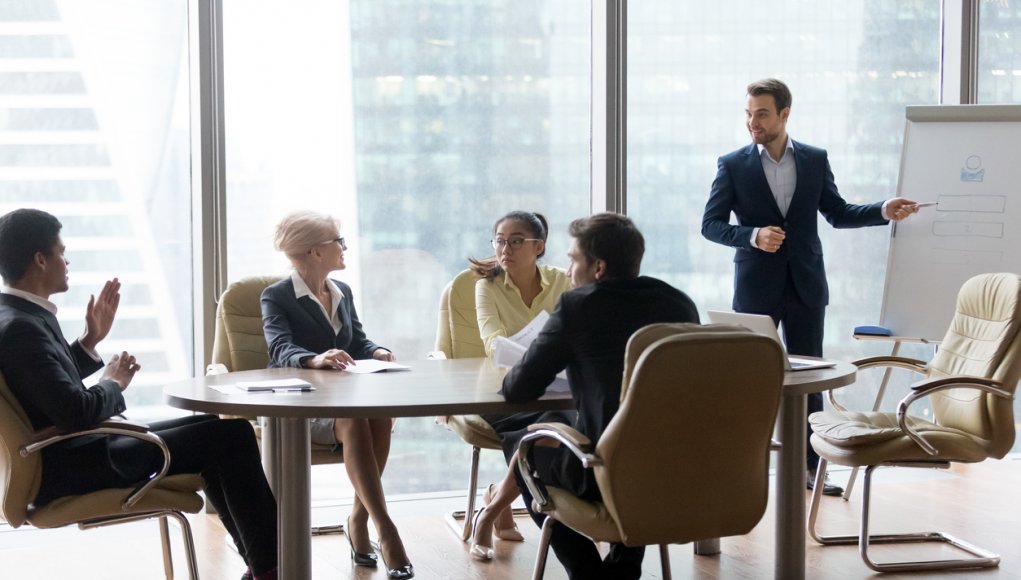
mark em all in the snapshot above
pixel 775 187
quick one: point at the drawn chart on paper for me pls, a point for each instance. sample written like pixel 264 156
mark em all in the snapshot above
pixel 965 161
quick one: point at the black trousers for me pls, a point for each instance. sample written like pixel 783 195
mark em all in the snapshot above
pixel 223 451
pixel 803 335
pixel 512 428
pixel 576 552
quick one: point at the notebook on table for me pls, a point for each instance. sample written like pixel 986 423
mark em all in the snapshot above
pixel 275 385
pixel 762 324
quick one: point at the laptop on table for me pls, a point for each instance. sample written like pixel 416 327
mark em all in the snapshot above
pixel 762 324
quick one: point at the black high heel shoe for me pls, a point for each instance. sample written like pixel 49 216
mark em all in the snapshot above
pixel 369 560
pixel 400 572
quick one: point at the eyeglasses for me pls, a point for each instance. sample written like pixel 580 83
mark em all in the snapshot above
pixel 514 243
pixel 343 244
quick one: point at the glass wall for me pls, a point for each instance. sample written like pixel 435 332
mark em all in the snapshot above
pixel 94 129
pixel 999 52
pixel 418 124
pixel 851 66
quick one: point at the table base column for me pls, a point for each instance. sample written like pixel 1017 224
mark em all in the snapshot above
pixel 289 473
pixel 790 490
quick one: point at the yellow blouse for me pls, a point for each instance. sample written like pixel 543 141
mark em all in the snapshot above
pixel 502 312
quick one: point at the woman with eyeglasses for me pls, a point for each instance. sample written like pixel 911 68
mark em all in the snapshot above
pixel 513 290
pixel 310 322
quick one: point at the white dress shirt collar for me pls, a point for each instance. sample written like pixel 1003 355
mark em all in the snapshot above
pixel 788 147
pixel 301 289
pixel 34 299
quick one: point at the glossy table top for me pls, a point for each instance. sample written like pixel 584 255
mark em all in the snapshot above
pixel 431 387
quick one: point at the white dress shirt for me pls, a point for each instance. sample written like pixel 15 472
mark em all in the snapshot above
pixel 302 289
pixel 782 177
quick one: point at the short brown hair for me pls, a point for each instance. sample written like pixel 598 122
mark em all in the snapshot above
pixel 776 87
pixel 612 238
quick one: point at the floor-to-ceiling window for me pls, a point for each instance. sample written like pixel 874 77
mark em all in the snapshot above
pixel 852 68
pixel 999 52
pixel 94 129
pixel 418 124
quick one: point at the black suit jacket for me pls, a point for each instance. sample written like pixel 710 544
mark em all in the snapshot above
pixel 45 374
pixel 741 188
pixel 587 335
pixel 296 328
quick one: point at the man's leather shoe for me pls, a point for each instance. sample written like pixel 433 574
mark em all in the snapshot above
pixel 828 488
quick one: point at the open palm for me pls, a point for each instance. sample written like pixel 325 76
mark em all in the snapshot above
pixel 100 313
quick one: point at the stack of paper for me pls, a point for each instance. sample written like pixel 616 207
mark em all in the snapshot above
pixel 371 365
pixel 508 351
pixel 270 386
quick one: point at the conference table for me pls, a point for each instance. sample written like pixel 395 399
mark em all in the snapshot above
pixel 451 387
pixel 429 388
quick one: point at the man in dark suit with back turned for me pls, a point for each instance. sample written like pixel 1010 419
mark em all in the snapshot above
pixel 776 187
pixel 587 335
pixel 45 374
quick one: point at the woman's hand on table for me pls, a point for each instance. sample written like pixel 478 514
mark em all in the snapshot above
pixel 335 359
pixel 384 355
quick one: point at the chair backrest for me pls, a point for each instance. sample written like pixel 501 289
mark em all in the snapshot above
pixel 239 342
pixel 983 341
pixel 19 476
pixel 457 329
pixel 641 340
pixel 692 436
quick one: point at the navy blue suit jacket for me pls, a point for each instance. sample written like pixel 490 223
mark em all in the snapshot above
pixel 296 328
pixel 741 188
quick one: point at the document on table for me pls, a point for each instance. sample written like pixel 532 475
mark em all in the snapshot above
pixel 508 351
pixel 371 365
pixel 269 386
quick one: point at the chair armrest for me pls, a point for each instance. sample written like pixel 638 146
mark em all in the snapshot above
pixel 901 362
pixel 570 438
pixel 46 437
pixel 887 361
pixel 943 383
pixel 562 432
pixel 923 389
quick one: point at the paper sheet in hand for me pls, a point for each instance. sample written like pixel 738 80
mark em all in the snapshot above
pixel 372 365
pixel 526 335
pixel 275 385
pixel 508 351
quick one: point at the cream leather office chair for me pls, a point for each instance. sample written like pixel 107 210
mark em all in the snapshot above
pixel 704 396
pixel 970 384
pixel 239 344
pixel 161 497
pixel 457 336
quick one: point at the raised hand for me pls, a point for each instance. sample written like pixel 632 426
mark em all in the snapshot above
pixel 100 313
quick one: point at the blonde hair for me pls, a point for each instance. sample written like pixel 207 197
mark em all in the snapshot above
pixel 301 231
